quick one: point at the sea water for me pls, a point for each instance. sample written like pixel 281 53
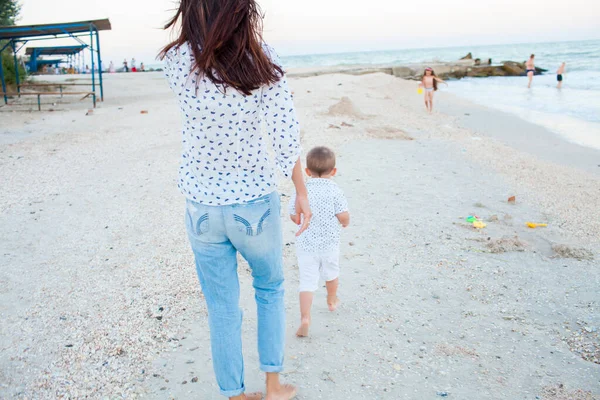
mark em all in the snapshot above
pixel 573 111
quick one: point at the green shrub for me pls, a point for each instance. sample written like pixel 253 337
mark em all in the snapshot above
pixel 8 63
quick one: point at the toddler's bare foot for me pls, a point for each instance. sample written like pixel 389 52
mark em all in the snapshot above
pixel 303 330
pixel 333 303
pixel 285 392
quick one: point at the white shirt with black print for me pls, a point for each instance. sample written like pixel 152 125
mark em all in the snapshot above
pixel 225 158
pixel 326 201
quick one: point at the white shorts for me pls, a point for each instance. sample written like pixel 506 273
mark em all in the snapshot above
pixel 314 266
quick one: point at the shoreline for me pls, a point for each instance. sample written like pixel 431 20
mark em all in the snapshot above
pixel 579 132
pixel 520 134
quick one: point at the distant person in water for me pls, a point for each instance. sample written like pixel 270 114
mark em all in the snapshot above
pixel 559 74
pixel 530 69
pixel 429 83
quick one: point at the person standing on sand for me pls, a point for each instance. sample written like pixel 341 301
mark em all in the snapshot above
pixel 559 74
pixel 229 83
pixel 318 248
pixel 429 83
pixel 530 69
pixel 125 66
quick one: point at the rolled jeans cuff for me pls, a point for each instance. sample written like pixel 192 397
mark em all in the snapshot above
pixel 233 393
pixel 271 368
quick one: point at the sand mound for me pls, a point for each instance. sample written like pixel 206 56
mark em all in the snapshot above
pixel 559 392
pixel 345 107
pixel 506 245
pixel 388 132
pixel 564 251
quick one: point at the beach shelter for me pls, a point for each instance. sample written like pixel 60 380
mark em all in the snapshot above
pixel 35 52
pixel 18 36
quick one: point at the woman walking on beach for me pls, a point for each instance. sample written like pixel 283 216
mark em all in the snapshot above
pixel 530 69
pixel 228 83
pixel 429 83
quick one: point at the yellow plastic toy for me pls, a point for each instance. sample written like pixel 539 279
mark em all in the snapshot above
pixel 479 225
pixel 533 225
pixel 420 90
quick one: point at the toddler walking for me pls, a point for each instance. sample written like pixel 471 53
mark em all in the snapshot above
pixel 318 248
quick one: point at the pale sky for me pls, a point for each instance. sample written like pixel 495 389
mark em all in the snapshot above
pixel 330 26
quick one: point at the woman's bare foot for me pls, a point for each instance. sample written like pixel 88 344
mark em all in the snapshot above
pixel 333 303
pixel 304 326
pixel 285 392
pixel 249 396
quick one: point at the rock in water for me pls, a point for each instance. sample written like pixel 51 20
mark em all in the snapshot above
pixel 403 72
pixel 513 68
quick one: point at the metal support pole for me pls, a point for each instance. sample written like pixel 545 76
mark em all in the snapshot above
pixel 39 103
pixel 3 83
pixel 33 64
pixel 14 47
pixel 92 55
pixel 99 65
pixel 4 47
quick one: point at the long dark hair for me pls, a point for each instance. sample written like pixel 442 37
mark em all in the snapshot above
pixel 435 87
pixel 225 37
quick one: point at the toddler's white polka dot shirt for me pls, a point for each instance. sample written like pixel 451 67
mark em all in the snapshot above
pixel 326 201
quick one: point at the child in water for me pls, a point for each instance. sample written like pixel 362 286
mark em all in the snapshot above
pixel 429 84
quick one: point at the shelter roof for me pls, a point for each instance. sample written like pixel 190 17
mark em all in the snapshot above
pixel 55 50
pixel 28 31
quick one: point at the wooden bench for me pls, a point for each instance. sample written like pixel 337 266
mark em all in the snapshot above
pixel 61 93
pixel 59 85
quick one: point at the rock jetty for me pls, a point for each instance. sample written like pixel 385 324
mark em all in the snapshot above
pixel 465 67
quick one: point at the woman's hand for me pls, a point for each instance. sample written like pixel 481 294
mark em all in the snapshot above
pixel 303 213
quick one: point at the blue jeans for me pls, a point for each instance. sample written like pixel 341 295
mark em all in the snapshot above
pixel 217 233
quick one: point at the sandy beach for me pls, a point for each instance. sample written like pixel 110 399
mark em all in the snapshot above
pixel 99 296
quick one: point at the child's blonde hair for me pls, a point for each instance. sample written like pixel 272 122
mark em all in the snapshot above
pixel 320 161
